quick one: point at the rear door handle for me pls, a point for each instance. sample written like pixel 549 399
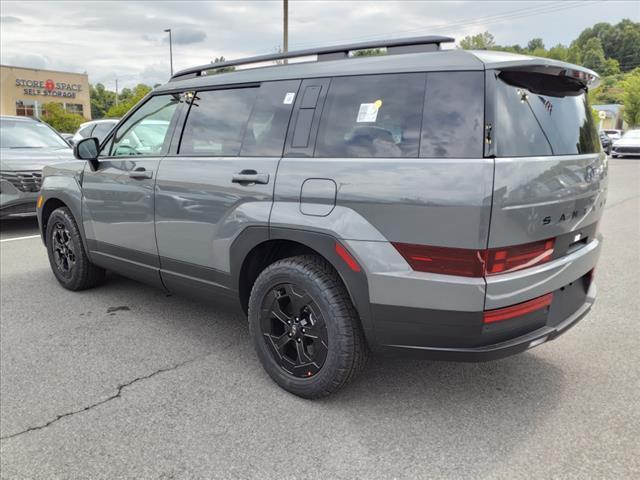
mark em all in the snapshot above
pixel 140 173
pixel 246 177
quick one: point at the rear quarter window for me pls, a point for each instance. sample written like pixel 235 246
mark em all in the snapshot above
pixel 453 115
pixel 372 116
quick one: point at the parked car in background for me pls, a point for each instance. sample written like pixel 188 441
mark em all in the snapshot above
pixel 95 128
pixel 606 142
pixel 442 203
pixel 613 134
pixel 27 145
pixel 628 145
pixel 68 137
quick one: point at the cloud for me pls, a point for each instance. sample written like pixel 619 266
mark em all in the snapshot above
pixel 9 19
pixel 186 36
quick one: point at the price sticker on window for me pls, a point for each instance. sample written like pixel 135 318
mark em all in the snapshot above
pixel 288 98
pixel 368 112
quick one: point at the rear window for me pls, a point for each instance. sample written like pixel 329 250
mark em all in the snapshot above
pixel 542 115
pixel 372 116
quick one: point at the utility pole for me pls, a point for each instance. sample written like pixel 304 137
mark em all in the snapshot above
pixel 116 92
pixel 285 40
pixel 168 30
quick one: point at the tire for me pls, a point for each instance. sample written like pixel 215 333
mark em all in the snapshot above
pixel 67 257
pixel 308 288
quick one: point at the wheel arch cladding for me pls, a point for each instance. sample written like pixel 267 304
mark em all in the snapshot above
pixel 258 247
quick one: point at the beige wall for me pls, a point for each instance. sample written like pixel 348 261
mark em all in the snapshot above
pixel 42 86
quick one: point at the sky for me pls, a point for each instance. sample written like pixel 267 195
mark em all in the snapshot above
pixel 126 40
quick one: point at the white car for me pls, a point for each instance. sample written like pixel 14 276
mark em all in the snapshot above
pixel 613 134
pixel 628 145
pixel 94 128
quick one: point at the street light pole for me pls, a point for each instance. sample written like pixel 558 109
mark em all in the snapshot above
pixel 285 39
pixel 168 30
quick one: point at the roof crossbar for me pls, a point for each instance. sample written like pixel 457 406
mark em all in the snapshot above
pixel 397 46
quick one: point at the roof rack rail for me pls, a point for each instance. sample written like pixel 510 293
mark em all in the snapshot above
pixel 397 46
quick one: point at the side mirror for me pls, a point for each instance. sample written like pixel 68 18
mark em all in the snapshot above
pixel 87 149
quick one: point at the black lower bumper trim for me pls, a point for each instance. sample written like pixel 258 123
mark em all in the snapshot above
pixel 501 349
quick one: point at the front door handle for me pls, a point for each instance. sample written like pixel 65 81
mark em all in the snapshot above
pixel 140 173
pixel 246 177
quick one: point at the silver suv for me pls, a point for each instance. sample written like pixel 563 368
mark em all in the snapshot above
pixel 435 202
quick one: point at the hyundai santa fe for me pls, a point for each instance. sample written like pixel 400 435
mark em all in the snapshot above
pixel 442 203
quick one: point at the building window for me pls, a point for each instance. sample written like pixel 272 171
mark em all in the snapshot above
pixel 74 108
pixel 24 109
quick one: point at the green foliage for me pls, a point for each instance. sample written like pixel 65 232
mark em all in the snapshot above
pixel 223 69
pixel 559 52
pixel 63 121
pixel 369 52
pixel 631 97
pixel 127 100
pixel 534 44
pixel 593 54
pixel 101 100
pixel 481 41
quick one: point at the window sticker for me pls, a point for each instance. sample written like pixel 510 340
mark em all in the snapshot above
pixel 368 112
pixel 288 98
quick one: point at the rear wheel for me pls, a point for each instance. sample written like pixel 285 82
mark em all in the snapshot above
pixel 67 257
pixel 304 327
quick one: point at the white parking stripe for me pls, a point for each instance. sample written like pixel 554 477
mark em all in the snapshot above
pixel 19 238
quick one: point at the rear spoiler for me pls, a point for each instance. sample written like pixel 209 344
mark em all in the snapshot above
pixel 506 61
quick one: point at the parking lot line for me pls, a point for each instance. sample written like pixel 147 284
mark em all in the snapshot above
pixel 19 238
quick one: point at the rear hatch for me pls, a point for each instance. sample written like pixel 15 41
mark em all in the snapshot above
pixel 550 182
pixel 550 172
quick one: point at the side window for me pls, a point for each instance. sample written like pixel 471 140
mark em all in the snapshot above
pixel 217 121
pixel 86 131
pixel 453 115
pixel 267 128
pixel 145 132
pixel 101 130
pixel 372 116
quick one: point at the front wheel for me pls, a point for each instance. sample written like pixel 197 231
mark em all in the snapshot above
pixel 304 327
pixel 67 257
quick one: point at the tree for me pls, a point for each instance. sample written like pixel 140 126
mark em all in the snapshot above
pixel 221 59
pixel 593 55
pixel 629 56
pixel 132 98
pixel 101 100
pixel 559 52
pixel 63 121
pixel 574 53
pixel 535 43
pixel 631 97
pixel 481 41
pixel 369 52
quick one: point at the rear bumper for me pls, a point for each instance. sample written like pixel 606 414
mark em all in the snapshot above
pixel 504 348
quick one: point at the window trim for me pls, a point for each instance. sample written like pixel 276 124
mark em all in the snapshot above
pixel 143 101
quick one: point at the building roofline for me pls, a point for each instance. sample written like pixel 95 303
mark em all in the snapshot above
pixel 44 70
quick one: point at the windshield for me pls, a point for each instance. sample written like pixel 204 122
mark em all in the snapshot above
pixel 631 134
pixel 22 134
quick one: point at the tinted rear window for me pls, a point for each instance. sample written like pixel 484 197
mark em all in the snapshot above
pixel 453 115
pixel 267 128
pixel 547 118
pixel 372 116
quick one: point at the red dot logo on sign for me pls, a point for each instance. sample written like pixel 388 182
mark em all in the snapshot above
pixel 49 85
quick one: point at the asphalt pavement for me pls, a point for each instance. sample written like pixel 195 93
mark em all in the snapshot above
pixel 124 381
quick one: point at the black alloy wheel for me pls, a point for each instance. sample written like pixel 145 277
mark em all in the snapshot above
pixel 294 330
pixel 63 249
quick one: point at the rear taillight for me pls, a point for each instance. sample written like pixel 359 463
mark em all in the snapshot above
pixel 500 314
pixel 508 259
pixel 448 261
pixel 475 263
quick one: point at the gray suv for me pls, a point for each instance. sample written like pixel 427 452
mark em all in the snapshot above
pixel 437 202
